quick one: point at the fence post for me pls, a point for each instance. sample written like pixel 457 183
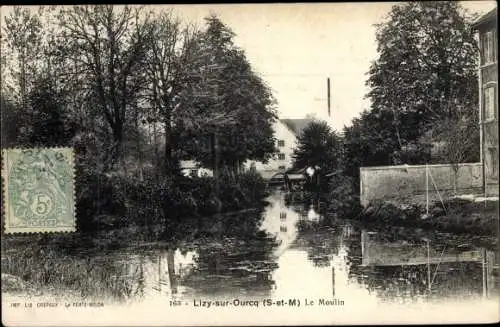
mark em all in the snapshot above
pixel 484 270
pixel 429 266
pixel 426 190
pixel 437 191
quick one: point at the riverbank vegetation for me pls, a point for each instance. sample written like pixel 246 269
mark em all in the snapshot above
pixel 135 91
pixel 455 215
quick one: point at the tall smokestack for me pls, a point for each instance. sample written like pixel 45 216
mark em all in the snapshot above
pixel 328 91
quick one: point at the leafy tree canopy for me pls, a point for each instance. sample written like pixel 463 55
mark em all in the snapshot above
pixel 318 145
pixel 238 92
pixel 427 62
pixel 425 74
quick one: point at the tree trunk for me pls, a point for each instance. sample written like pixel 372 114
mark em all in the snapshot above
pixel 138 147
pixel 22 82
pixel 155 140
pixel 116 155
pixel 168 146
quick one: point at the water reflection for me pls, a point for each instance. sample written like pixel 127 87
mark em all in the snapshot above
pixel 164 272
pixel 233 267
pixel 287 250
pixel 402 270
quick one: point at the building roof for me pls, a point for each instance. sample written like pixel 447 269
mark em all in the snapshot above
pixel 489 17
pixel 296 125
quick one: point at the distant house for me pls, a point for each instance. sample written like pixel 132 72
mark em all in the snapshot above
pixel 285 132
pixel 486 26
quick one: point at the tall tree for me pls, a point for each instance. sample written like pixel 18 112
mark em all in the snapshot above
pixel 427 59
pixel 102 50
pixel 34 111
pixel 22 46
pixel 318 145
pixel 177 65
pixel 230 86
pixel 168 55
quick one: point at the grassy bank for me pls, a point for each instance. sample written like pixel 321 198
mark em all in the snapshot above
pixel 110 263
pixel 456 216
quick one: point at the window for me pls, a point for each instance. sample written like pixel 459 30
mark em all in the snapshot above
pixel 492 163
pixel 281 156
pixel 281 143
pixel 194 172
pixel 282 215
pixel 489 103
pixel 281 167
pixel 488 47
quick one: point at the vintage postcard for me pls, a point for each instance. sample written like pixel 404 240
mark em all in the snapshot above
pixel 250 164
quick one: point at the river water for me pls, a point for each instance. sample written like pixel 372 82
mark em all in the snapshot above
pixel 292 253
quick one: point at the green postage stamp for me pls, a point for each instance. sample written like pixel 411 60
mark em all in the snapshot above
pixel 38 189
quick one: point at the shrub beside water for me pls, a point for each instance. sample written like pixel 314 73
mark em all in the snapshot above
pixel 343 198
pixel 109 201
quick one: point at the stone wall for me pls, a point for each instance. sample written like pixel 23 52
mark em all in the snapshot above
pixel 409 181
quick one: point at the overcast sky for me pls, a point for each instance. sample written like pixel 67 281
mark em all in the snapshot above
pixel 295 47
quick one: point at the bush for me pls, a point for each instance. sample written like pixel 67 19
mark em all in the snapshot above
pixel 343 198
pixel 413 153
pixel 144 200
pixel 98 194
pixel 249 188
pixel 112 200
